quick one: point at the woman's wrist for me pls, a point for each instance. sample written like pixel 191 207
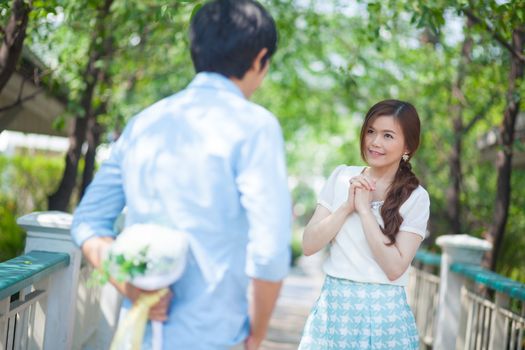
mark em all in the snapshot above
pixel 347 207
pixel 366 211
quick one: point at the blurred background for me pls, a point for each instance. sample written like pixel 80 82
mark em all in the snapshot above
pixel 72 72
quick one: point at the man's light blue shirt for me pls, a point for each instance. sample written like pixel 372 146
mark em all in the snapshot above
pixel 211 163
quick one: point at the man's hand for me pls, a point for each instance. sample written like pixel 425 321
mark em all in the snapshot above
pixel 94 249
pixel 252 343
pixel 159 311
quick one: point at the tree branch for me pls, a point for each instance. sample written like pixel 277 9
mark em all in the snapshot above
pixel 19 100
pixel 480 115
pixel 495 35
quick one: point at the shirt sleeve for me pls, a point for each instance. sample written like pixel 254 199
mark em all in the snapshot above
pixel 262 182
pixel 415 212
pixel 103 200
pixel 327 194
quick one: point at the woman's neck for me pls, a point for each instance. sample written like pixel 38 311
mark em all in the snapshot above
pixel 383 176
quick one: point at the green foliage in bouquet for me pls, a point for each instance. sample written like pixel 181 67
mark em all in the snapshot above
pixel 121 267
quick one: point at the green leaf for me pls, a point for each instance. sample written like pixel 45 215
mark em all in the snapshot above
pixel 59 123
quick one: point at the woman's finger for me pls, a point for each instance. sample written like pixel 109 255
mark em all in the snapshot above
pixel 370 182
pixel 356 184
pixel 362 182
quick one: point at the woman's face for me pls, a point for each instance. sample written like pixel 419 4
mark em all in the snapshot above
pixel 384 142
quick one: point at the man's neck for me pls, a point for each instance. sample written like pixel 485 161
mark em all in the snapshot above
pixel 243 86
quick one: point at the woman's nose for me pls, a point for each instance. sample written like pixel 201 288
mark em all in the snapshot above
pixel 375 140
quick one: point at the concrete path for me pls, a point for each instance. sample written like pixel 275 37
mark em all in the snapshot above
pixel 300 291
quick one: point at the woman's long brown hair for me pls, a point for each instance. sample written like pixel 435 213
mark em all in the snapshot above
pixel 405 181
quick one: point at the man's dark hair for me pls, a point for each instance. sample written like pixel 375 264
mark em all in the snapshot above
pixel 227 35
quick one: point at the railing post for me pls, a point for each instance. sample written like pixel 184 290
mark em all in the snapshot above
pixel 4 309
pixel 49 231
pixel 455 248
pixel 497 333
pixel 76 316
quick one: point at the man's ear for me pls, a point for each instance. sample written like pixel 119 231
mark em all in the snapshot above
pixel 257 65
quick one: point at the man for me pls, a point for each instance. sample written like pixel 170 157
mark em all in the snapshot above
pixel 208 162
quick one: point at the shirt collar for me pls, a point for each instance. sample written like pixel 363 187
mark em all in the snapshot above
pixel 215 81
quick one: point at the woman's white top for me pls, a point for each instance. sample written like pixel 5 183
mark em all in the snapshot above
pixel 350 256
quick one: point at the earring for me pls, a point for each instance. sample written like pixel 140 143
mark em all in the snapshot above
pixel 405 157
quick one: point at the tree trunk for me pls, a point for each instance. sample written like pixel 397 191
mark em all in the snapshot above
pixel 504 157
pixel 454 190
pixel 94 129
pixel 61 198
pixel 13 40
pixel 93 140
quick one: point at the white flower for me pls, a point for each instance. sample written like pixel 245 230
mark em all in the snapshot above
pixel 158 252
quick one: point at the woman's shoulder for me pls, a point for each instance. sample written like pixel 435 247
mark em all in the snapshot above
pixel 418 202
pixel 419 195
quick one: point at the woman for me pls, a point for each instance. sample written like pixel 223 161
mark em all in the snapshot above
pixel 373 218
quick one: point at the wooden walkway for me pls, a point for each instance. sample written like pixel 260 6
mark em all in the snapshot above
pixel 300 291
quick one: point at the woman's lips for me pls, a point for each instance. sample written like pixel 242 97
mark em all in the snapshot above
pixel 375 153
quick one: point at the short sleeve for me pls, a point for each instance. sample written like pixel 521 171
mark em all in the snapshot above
pixel 327 194
pixel 415 212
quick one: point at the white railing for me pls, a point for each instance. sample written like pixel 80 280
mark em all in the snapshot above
pixel 478 324
pixel 24 285
pixel 54 308
pixel 460 305
pixel 423 298
pixel 493 309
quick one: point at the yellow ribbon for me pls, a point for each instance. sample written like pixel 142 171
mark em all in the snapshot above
pixel 134 324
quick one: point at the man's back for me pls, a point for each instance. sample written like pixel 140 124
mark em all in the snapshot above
pixel 185 154
pixel 208 162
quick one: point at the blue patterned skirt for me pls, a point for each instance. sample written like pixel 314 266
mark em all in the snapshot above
pixel 364 316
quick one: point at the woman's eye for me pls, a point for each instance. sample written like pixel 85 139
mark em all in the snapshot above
pixel 369 131
pixel 389 136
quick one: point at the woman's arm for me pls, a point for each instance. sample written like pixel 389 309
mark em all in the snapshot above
pixel 323 226
pixel 394 259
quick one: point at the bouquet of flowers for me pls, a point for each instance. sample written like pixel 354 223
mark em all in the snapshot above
pixel 150 257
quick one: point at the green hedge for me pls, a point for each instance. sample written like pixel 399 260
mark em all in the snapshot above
pixel 25 182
